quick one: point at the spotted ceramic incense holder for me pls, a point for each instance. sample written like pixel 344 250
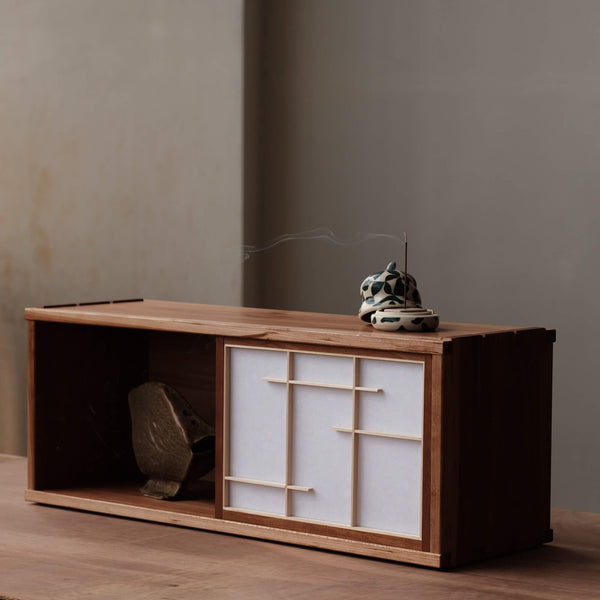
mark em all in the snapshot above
pixel 391 302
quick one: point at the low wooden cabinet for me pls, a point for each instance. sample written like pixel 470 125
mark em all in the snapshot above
pixel 427 448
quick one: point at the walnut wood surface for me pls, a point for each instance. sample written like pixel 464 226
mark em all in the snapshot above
pixel 287 326
pixel 50 554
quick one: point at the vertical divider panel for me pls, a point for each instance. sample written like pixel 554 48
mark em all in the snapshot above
pixel 221 426
pixel 289 417
pixel 355 441
pixel 31 445
pixel 226 424
pixel 435 445
pixel 427 454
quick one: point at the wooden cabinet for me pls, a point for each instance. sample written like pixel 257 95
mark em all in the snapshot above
pixel 429 448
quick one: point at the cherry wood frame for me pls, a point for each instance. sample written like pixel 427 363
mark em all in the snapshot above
pixel 486 446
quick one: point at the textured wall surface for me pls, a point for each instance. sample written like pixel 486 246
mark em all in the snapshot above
pixel 472 125
pixel 120 161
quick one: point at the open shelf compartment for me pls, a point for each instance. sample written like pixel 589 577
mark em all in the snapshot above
pixel 80 375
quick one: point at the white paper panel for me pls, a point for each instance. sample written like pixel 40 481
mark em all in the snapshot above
pixel 319 368
pixel 389 475
pixel 257 409
pixel 256 497
pixel 322 456
pixel 399 407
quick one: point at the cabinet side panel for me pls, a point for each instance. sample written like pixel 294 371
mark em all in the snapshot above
pixel 503 502
pixel 533 378
pixel 31 462
pixel 453 389
pixel 484 391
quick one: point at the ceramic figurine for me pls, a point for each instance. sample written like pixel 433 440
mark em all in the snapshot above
pixel 172 445
pixel 391 301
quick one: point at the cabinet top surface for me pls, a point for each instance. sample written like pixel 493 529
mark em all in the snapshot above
pixel 264 324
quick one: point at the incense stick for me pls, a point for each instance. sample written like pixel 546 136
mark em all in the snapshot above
pixel 405 268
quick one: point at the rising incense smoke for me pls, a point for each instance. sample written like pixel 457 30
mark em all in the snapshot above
pixel 319 233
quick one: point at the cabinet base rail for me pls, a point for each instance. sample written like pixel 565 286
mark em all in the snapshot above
pixel 170 517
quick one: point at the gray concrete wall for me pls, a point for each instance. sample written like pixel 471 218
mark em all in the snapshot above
pixel 120 161
pixel 474 125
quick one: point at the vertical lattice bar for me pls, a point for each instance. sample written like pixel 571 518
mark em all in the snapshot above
pixel 289 417
pixel 355 441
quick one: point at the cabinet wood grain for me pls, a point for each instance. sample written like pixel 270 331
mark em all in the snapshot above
pixel 485 440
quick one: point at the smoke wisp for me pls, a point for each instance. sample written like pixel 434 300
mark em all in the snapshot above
pixel 320 233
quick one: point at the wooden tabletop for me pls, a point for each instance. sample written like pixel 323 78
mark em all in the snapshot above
pixel 266 324
pixel 51 553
